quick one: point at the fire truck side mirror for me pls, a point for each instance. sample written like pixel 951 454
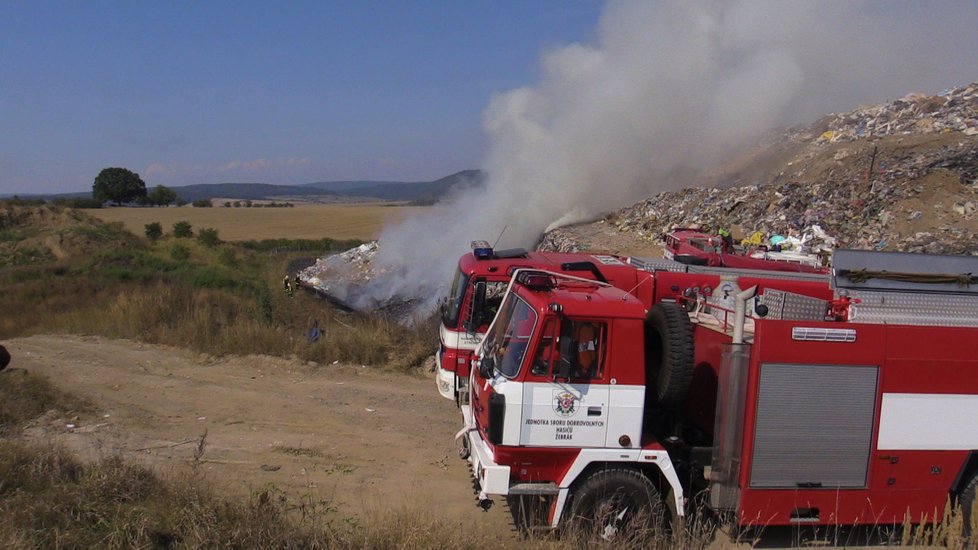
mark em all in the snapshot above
pixel 486 367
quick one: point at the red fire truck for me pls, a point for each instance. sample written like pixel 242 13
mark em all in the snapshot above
pixel 483 275
pixel 785 401
pixel 480 283
pixel 692 246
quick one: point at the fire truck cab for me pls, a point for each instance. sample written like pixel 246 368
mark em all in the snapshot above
pixel 785 401
pixel 478 286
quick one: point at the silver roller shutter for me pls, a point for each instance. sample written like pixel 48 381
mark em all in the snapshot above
pixel 814 426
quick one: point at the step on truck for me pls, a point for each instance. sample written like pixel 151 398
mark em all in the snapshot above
pixel 481 279
pixel 777 401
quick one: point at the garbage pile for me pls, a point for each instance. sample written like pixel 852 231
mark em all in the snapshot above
pixel 954 110
pixel 346 268
pixel 343 279
pixel 902 176
pixel 340 276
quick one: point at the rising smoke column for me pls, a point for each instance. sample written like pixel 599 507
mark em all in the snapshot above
pixel 667 89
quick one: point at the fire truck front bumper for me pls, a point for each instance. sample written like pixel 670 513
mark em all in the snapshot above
pixel 493 479
pixel 444 379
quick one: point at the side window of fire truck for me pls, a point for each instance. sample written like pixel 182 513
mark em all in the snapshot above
pixel 585 350
pixel 453 304
pixel 495 290
pixel 520 321
pixel 546 350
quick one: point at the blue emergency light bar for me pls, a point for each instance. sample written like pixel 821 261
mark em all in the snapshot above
pixel 482 250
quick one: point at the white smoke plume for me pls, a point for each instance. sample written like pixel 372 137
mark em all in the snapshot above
pixel 666 89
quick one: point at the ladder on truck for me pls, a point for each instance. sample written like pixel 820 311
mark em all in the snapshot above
pixel 883 287
pixel 907 289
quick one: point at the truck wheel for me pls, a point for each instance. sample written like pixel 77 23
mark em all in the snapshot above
pixel 4 358
pixel 967 503
pixel 668 352
pixel 610 503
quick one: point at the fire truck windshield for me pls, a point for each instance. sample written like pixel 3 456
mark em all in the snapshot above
pixel 506 344
pixel 453 305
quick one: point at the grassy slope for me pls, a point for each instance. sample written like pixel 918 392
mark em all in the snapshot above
pixel 87 277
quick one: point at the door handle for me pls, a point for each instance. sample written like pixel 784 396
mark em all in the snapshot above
pixel 594 411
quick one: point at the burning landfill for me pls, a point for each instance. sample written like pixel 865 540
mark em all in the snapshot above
pixel 900 176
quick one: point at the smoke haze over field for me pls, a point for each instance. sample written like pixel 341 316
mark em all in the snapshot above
pixel 665 89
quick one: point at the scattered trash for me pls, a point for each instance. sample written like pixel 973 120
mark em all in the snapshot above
pixel 860 196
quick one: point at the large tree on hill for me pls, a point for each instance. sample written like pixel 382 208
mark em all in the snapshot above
pixel 162 195
pixel 118 185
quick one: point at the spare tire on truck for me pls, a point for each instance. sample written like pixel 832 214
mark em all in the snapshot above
pixel 4 358
pixel 668 353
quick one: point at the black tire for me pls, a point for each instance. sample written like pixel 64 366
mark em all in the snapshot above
pixel 967 503
pixel 668 353
pixel 4 357
pixel 616 504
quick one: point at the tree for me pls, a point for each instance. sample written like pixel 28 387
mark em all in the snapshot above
pixel 154 230
pixel 183 229
pixel 162 195
pixel 118 185
pixel 203 203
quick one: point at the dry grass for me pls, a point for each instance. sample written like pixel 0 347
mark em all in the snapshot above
pixel 25 396
pixel 50 499
pixel 223 299
pixel 337 221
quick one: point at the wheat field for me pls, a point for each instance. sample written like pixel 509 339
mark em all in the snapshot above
pixel 335 221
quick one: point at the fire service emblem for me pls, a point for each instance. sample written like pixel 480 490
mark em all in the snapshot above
pixel 565 403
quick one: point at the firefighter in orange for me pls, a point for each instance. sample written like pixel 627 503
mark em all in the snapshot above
pixel 586 337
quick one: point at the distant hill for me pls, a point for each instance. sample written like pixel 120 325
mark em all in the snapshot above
pixel 345 186
pixel 420 191
pixel 243 191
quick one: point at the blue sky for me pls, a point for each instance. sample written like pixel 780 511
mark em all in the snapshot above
pixel 206 92
pixel 294 92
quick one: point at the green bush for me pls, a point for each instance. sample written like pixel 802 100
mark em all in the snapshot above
pixel 183 230
pixel 208 237
pixel 227 257
pixel 179 252
pixel 203 203
pixel 154 231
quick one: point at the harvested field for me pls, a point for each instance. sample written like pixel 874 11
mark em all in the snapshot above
pixel 335 221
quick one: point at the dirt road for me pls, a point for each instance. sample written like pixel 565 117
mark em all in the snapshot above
pixel 362 440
